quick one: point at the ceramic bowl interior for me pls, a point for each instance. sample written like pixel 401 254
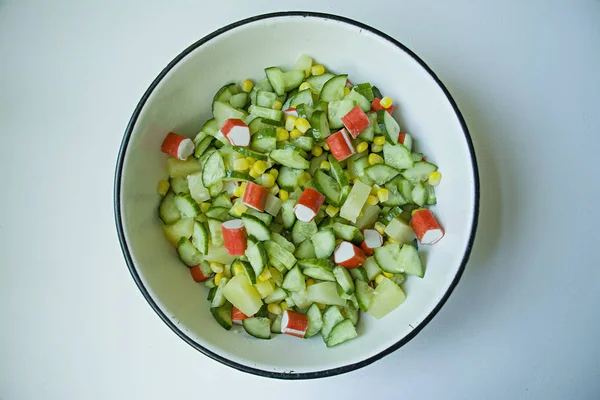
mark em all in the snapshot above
pixel 180 99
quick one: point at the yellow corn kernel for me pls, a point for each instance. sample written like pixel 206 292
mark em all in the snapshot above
pixel 357 179
pixel 374 190
pixel 274 172
pixel 254 173
pixel 321 306
pixel 434 178
pixel 260 166
pixel 317 151
pixel 276 105
pixel 310 282
pixel 379 278
pixel 386 102
pixel 302 124
pixel 379 140
pixel 317 70
pixel 241 164
pixel 239 209
pixel 163 187
pixel 251 160
pixel 290 122
pixel 304 178
pixel 204 207
pixel 218 278
pixel 283 195
pixel 226 273
pixel 247 85
pixel 282 135
pixel 295 133
pixel 346 91
pixel 274 190
pixel 361 147
pixel 265 276
pixel 375 159
pixel 266 180
pixel 325 147
pixel 383 195
pixel 216 267
pixel 283 306
pixel 331 210
pixel 372 200
pixel 379 227
pixel 325 165
pixel 304 86
pixel 387 274
pixel 274 309
pixel 392 241
pixel 375 148
pixel 238 191
pixel 238 269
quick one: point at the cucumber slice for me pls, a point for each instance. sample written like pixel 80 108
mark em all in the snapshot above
pixel 431 198
pixel 222 200
pixel 317 82
pixel 225 93
pixel 393 259
pixel 216 235
pixel 341 333
pixel 359 273
pixel 317 263
pixel 197 189
pixel 331 317
pixel 370 214
pixel 344 279
pixel 303 142
pixel 182 228
pixel 179 185
pixel 371 268
pixel 288 102
pixel 279 257
pixel 399 230
pixel 220 213
pixel 417 157
pixel 283 242
pixel 320 126
pixel 325 293
pixel 339 175
pixel 240 292
pixel 303 230
pixel 278 295
pixel 276 325
pixel 287 212
pixel 223 315
pixel 288 178
pixel 264 85
pixel 200 237
pixel 176 168
pixel 397 156
pixel 355 202
pixel 315 321
pixel 257 256
pixel 255 227
pixel 351 310
pixel 303 64
pixel 419 172
pixel 264 217
pixel 219 299
pixel 239 100
pixel 265 288
pixel 247 268
pixel 360 165
pixel 405 188
pixel 276 275
pixel 265 99
pixel 324 243
pixel 364 295
pixel 167 210
pixel 301 300
pixel 381 173
pixel 368 133
pixel 188 253
pixel 395 198
pixel 216 189
pixel 224 111
pixel 319 273
pixel 276 79
pixel 289 158
pixel 359 99
pixel 187 206
pixel 264 141
pixel 211 294
pixel 408 141
pixel 419 194
pixel 348 232
pixel 398 279
pixel 366 90
pixel 213 169
pixel 386 297
pixel 328 187
pixel 388 126
pixel 265 112
pixel 259 327
pixel 333 89
pixel 249 153
pixel 294 280
pixel 292 79
pixel 202 146
pixel 302 97
pixel 210 127
pixel 336 110
pixel 305 250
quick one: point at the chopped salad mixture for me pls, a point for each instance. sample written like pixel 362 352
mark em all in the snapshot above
pixel 299 204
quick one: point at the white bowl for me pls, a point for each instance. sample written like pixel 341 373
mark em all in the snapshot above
pixel 179 100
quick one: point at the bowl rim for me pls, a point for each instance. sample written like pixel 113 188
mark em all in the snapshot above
pixel 291 375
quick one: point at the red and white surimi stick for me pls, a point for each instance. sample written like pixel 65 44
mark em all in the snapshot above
pixel 348 255
pixel 255 196
pixel 237 316
pixel 308 205
pixel 294 323
pixel 426 227
pixel 373 240
pixel 376 106
pixel 340 145
pixel 290 111
pixel 356 121
pixel 236 132
pixel 197 274
pixel 177 146
pixel 235 237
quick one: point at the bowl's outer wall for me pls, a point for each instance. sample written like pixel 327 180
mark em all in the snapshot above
pixel 179 100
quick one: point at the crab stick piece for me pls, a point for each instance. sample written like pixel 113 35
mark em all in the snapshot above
pixel 376 106
pixel 294 323
pixel 348 255
pixel 177 146
pixel 308 205
pixel 255 196
pixel 356 121
pixel 340 145
pixel 237 316
pixel 236 132
pixel 373 240
pixel 197 274
pixel 235 237
pixel 290 111
pixel 426 227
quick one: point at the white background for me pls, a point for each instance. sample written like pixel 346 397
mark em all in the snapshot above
pixel 523 323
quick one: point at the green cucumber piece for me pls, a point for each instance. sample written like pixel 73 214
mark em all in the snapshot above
pixel 264 141
pixel 176 168
pixel 200 237
pixel 259 327
pixel 389 127
pixel 317 263
pixel 289 158
pixel 283 242
pixel 419 194
pixel 219 299
pixel 188 253
pixel 223 315
pixel 179 185
pixel 302 97
pixel 181 228
pixel 276 325
pixel 359 99
pixel 223 111
pixel 419 172
pixel 315 321
pixel 216 235
pixel 305 250
pixel 292 79
pixel 167 210
pixel 319 273
pixel 187 206
pixel 371 268
pixel 387 296
pixel 303 230
pixel 276 79
pixel 257 255
pixel 249 153
pixel 381 173
pixel 317 81
pixel 331 317
pixel 279 257
pixel 278 295
pixel 333 89
pixel 370 214
pixel 220 213
pixel 197 189
pixel 328 187
pixel 397 156
pixel 359 274
pixel 341 333
pixel 348 232
pixel 294 280
pixel 351 310
pixel 431 198
pixel 325 293
pixel 320 126
pixel 255 227
pixel 287 213
pixel 336 110
pixel 303 142
pixel 324 243
pixel 393 259
pixel 265 99
pixel 213 169
pixel 364 295
pixel 344 279
pixel 265 112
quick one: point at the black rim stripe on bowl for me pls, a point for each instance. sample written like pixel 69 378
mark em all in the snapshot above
pixel 125 248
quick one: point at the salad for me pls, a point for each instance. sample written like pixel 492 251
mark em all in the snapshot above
pixel 299 204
